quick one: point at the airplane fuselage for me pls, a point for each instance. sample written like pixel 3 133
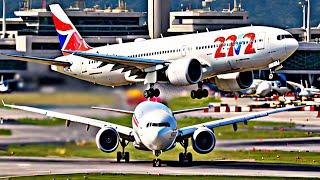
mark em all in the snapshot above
pixel 154 126
pixel 224 51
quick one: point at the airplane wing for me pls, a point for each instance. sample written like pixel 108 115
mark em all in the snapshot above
pixel 189 110
pixel 124 132
pixel 137 66
pixel 45 61
pixel 295 85
pixel 139 63
pixel 188 131
pixel 113 110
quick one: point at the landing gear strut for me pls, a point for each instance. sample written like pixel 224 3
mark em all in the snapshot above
pixel 123 155
pixel 185 158
pixel 275 66
pixel 156 162
pixel 151 92
pixel 200 93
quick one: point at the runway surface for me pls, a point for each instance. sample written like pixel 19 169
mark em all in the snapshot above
pixel 13 166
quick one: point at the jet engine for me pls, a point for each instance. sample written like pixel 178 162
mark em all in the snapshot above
pixel 203 140
pixel 233 81
pixel 184 72
pixel 107 140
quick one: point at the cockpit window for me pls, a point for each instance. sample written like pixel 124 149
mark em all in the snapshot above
pixel 158 124
pixel 285 36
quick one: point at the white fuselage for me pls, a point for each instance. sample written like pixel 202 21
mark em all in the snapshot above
pixel 155 127
pixel 4 88
pixel 225 51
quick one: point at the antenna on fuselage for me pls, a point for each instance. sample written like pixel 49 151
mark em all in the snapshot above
pixel 207 30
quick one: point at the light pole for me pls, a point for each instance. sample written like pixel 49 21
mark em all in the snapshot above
pixel 3 19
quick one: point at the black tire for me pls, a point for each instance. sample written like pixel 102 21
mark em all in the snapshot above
pixel 181 159
pixel 205 93
pixel 146 93
pixel 189 158
pixel 199 94
pixel 193 94
pixel 119 157
pixel 126 157
pixel 156 93
pixel 156 163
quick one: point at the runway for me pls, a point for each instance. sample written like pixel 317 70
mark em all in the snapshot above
pixel 22 166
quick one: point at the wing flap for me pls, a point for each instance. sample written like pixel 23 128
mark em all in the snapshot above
pixel 45 61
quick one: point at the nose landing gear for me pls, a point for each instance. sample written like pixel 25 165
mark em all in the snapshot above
pixel 156 162
pixel 275 66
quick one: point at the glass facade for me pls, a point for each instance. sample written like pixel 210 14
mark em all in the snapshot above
pixel 303 60
pixel 89 25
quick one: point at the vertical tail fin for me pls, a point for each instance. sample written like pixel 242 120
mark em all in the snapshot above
pixel 69 37
pixel 2 79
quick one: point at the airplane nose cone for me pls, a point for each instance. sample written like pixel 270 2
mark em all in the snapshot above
pixel 159 139
pixel 291 46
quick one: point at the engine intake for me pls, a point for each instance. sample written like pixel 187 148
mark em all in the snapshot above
pixel 184 72
pixel 234 81
pixel 107 140
pixel 203 140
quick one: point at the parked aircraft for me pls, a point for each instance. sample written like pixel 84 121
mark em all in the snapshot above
pixel 154 128
pixel 225 57
pixel 263 88
pixel 304 91
pixel 4 84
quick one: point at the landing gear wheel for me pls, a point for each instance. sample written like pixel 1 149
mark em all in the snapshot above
pixel 156 92
pixel 156 163
pixel 193 94
pixel 126 157
pixel 119 157
pixel 205 93
pixel 123 155
pixel 271 76
pixel 146 93
pixel 199 93
pixel 185 159
pixel 189 159
pixel 150 93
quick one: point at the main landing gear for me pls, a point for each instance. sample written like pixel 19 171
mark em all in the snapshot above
pixel 185 158
pixel 151 92
pixel 156 162
pixel 123 155
pixel 200 93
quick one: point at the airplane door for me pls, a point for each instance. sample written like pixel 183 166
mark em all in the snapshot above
pixel 185 50
pixel 261 41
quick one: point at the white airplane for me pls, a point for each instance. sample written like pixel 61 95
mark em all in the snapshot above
pixel 304 91
pixel 4 84
pixel 225 57
pixel 154 128
pixel 263 88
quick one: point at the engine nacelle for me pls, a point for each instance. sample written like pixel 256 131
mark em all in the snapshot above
pixel 203 140
pixel 107 140
pixel 184 72
pixel 234 81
